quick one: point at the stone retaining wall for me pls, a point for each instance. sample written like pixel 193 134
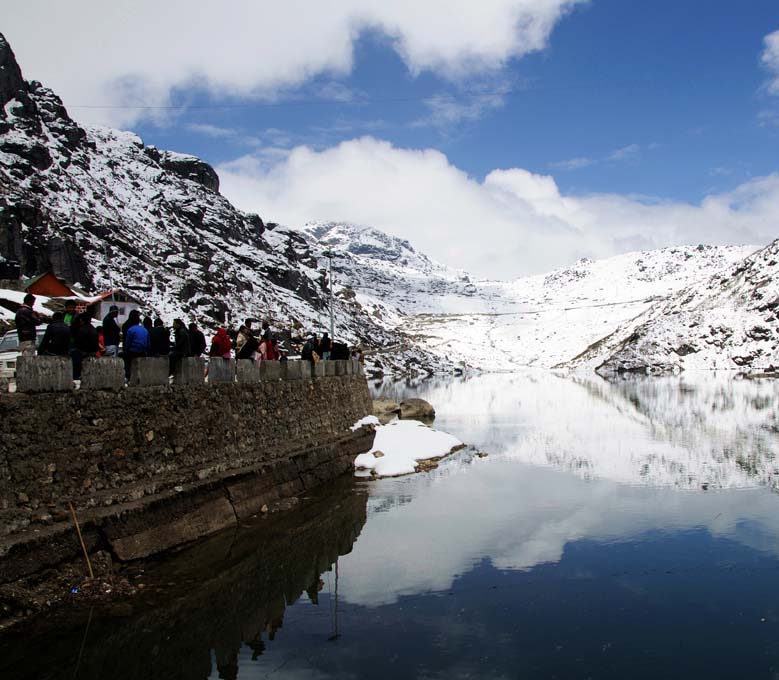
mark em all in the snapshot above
pixel 148 468
pixel 54 374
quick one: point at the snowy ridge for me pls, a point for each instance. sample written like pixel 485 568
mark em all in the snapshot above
pixel 729 321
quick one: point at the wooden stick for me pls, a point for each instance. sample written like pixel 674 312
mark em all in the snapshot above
pixel 81 539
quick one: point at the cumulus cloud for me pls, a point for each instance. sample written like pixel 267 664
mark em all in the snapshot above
pixel 143 53
pixel 770 61
pixel 511 223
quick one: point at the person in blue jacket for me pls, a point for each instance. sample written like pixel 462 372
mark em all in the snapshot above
pixel 137 342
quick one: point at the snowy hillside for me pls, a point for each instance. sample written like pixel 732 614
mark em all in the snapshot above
pixel 494 325
pixel 728 321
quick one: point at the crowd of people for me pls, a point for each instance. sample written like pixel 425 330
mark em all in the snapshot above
pixel 72 334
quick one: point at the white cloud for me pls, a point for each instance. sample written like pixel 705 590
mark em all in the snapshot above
pixel 447 111
pixel 212 130
pixel 512 223
pixel 631 152
pixel 626 153
pixel 113 53
pixel 574 163
pixel 770 61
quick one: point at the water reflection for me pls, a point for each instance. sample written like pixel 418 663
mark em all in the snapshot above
pixel 697 430
pixel 624 529
pixel 208 610
pixel 631 445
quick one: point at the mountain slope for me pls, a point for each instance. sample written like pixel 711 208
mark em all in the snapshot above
pixel 729 321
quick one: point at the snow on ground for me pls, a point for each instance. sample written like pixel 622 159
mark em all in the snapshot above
pixel 403 443
pixel 368 420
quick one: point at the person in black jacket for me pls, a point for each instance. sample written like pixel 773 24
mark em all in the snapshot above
pixel 181 346
pixel 26 321
pixel 325 346
pixel 86 342
pixel 160 339
pixel 56 338
pixel 249 348
pixel 197 340
pixel 111 332
pixel 311 345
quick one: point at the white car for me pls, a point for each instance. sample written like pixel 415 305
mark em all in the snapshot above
pixel 9 353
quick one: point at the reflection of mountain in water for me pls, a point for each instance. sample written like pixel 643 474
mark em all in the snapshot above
pixel 697 430
pixel 690 431
pixel 223 593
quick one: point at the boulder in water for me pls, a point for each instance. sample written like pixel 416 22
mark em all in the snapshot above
pixel 416 409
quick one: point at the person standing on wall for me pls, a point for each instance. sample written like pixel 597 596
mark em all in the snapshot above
pixel 56 337
pixel 160 339
pixel 26 321
pixel 181 346
pixel 325 346
pixel 86 341
pixel 136 341
pixel 197 340
pixel 111 332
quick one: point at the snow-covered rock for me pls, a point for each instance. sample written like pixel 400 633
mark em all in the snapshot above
pixel 399 446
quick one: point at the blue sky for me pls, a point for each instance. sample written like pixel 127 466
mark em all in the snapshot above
pixel 584 120
pixel 680 83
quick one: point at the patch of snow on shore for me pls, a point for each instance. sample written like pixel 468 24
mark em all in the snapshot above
pixel 403 443
pixel 368 420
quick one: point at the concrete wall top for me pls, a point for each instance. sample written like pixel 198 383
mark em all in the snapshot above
pixel 54 374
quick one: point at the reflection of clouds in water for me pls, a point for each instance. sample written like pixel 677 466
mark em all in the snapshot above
pixel 687 431
pixel 522 515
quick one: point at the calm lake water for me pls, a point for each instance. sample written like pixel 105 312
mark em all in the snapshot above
pixel 615 530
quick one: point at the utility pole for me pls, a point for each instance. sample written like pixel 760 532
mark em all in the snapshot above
pixel 329 254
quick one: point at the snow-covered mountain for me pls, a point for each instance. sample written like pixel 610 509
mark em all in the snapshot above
pixel 728 321
pixel 100 208
pixel 540 321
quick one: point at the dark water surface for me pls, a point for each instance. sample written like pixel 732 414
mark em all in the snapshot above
pixel 616 530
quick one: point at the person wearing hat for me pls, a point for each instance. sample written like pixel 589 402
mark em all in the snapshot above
pixel 111 332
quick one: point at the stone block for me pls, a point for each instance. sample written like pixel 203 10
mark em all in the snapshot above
pixel 360 368
pixel 319 369
pixel 44 374
pixel 270 370
pixel 190 371
pixel 305 370
pixel 148 371
pixel 247 371
pixel 106 373
pixel 329 368
pixel 221 370
pixel 340 366
pixel 290 370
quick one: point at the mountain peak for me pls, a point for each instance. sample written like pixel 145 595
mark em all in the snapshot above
pixel 11 80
